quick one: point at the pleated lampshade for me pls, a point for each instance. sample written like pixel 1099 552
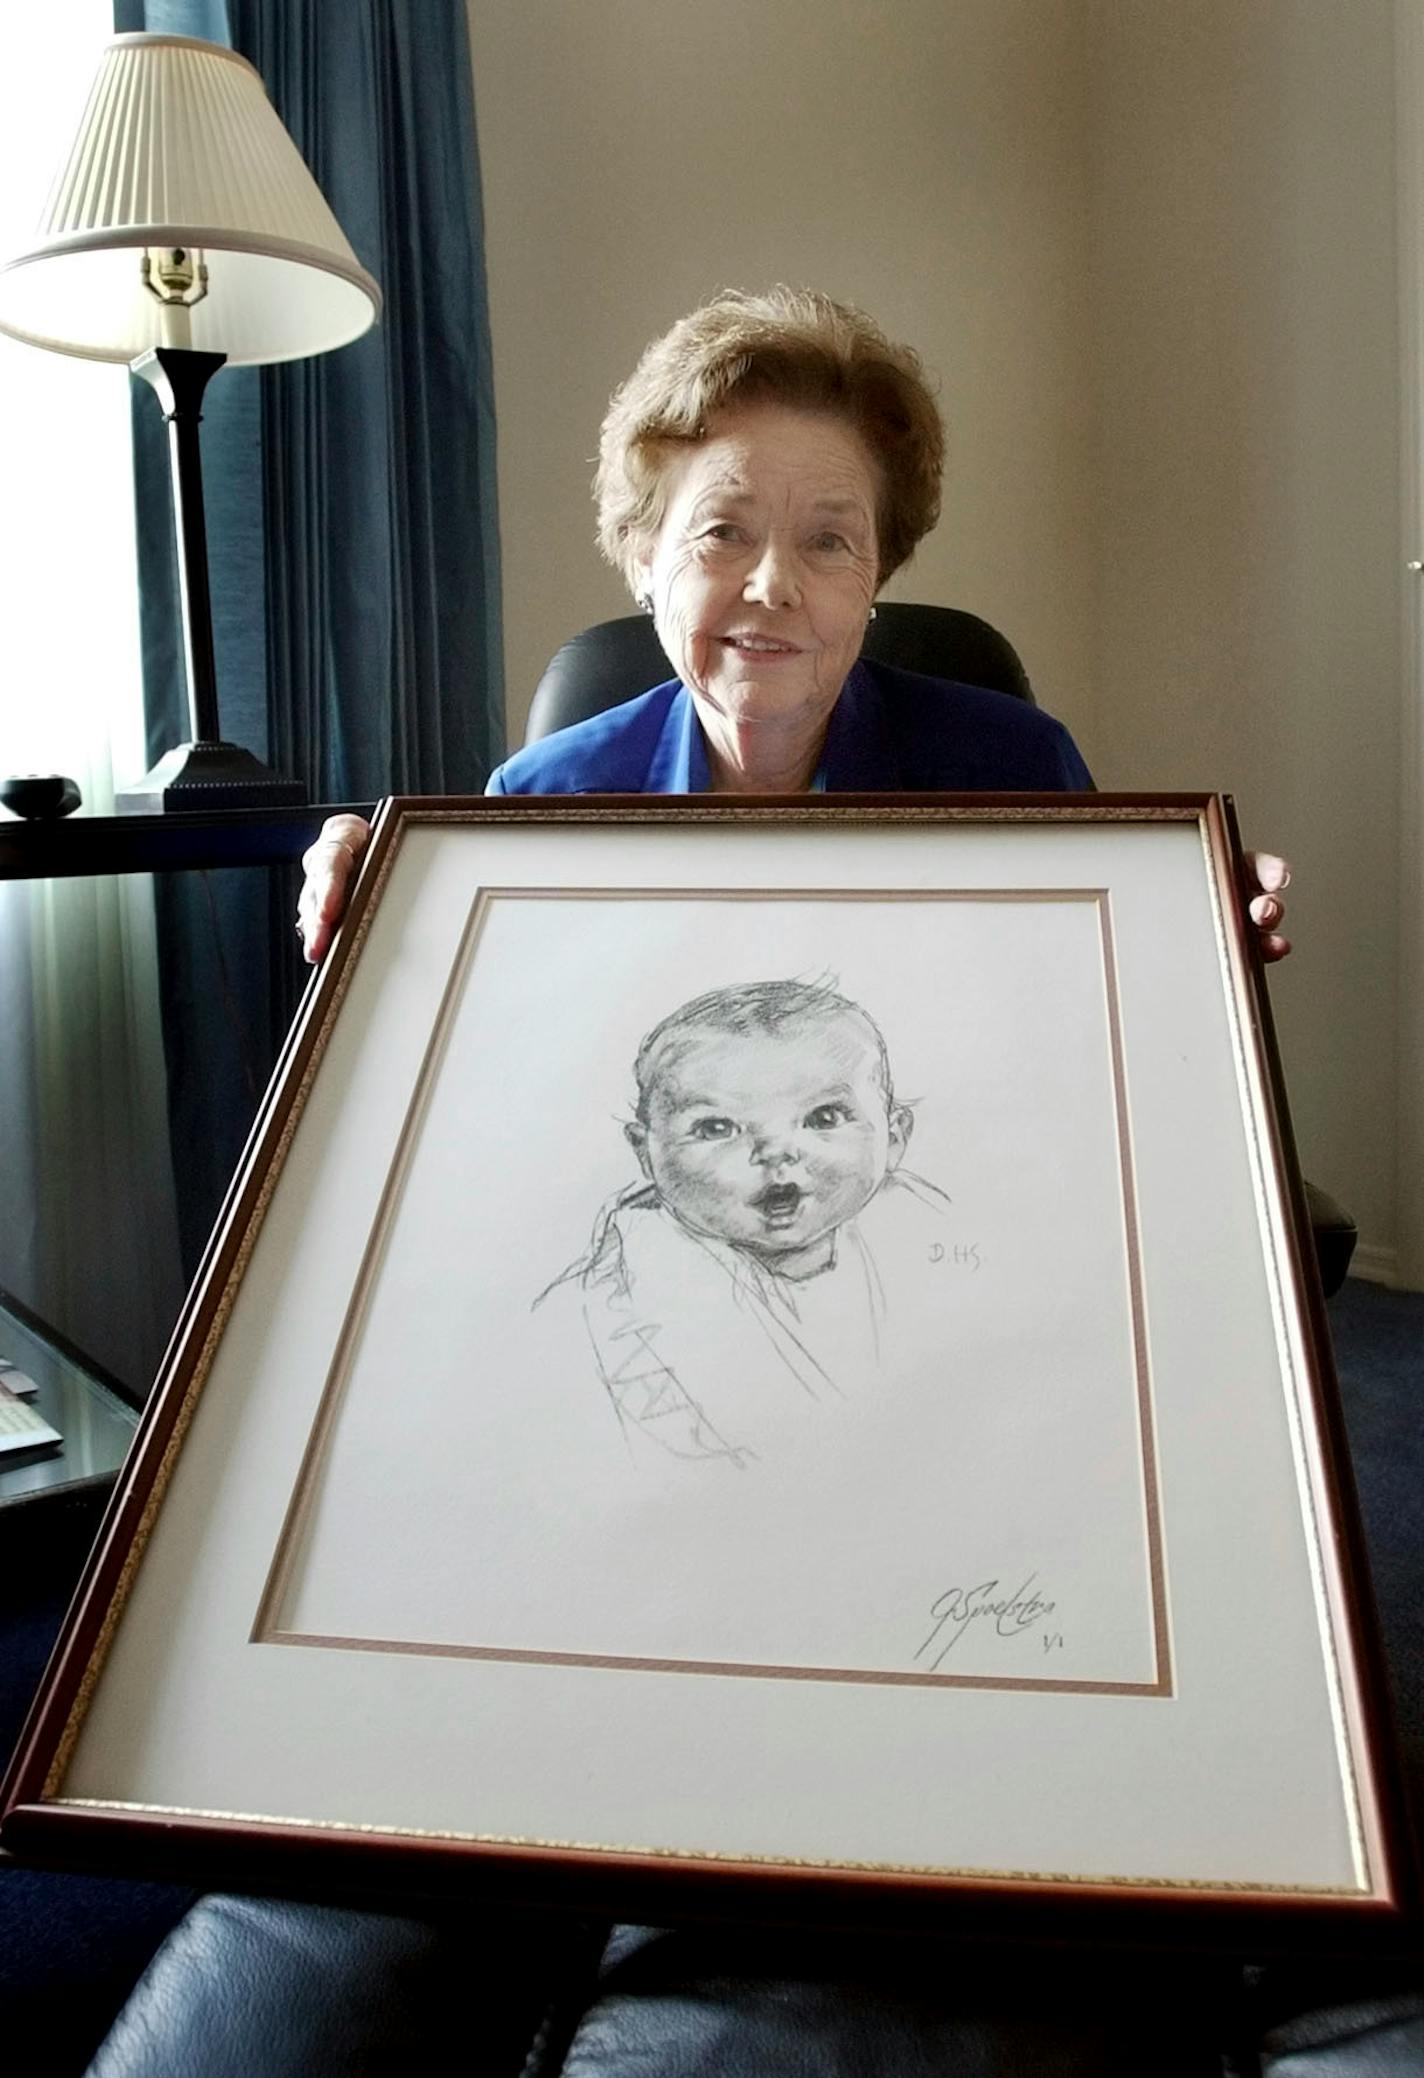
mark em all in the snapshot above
pixel 179 148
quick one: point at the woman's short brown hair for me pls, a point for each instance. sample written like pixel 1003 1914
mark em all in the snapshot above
pixel 789 346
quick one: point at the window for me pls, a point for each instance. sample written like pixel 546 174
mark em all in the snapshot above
pixel 70 687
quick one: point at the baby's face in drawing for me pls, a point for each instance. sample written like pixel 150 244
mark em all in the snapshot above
pixel 771 1143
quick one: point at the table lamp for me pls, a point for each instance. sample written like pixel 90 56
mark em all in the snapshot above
pixel 182 231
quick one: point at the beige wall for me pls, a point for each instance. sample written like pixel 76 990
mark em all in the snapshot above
pixel 1247 493
pixel 1148 247
pixel 921 158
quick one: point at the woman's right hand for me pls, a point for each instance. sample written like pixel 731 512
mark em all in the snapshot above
pixel 328 867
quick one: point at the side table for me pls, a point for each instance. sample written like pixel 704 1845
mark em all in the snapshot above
pixel 88 1409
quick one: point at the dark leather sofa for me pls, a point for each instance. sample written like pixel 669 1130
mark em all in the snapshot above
pixel 244 1987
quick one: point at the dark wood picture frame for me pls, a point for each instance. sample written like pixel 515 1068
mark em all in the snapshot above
pixel 368 1850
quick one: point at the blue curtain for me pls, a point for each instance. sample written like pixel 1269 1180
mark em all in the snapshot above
pixel 351 519
pixel 350 498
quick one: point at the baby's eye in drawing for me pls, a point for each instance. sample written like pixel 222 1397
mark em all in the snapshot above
pixel 711 1129
pixel 826 1116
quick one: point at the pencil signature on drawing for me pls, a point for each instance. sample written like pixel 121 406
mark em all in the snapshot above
pixel 1008 1616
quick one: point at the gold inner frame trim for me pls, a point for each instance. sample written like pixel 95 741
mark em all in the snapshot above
pixel 694 1858
pixel 1291 1340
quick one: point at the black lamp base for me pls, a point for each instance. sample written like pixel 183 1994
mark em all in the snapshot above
pixel 197 776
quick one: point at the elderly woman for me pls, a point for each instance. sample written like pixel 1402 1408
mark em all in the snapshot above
pixel 770 463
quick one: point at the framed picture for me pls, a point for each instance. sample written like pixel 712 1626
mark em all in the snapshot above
pixel 761 1356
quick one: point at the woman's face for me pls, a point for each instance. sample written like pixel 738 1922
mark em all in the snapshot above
pixel 764 571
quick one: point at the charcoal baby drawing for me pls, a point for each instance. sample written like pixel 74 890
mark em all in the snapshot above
pixel 747 1276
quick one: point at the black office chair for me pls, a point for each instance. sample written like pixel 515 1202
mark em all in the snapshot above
pixel 617 660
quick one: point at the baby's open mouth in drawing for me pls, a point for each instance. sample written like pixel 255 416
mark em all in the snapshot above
pixel 779 1203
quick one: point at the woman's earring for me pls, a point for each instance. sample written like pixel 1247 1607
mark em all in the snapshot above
pixel 645 602
pixel 872 613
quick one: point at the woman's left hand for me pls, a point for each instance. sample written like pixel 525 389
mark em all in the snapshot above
pixel 1267 878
